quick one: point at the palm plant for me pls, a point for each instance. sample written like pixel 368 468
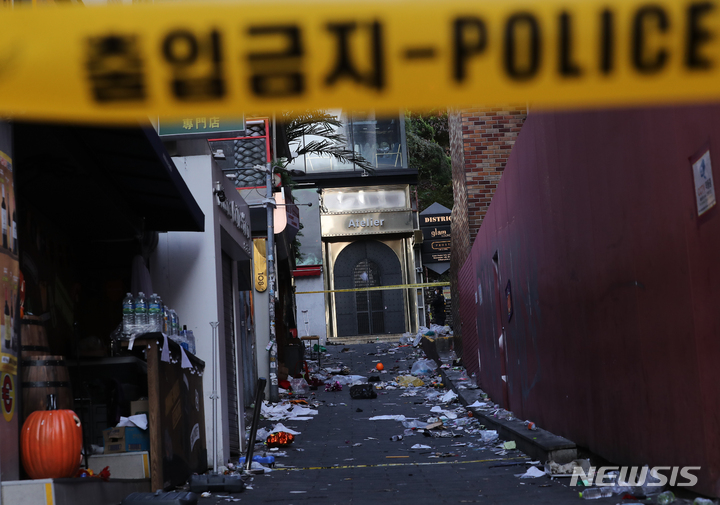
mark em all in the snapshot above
pixel 320 123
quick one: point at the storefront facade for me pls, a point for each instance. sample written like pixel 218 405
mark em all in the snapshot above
pixel 202 276
pixel 90 202
pixel 368 241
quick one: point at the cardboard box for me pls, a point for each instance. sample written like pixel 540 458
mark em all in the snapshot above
pixel 126 465
pixel 126 439
pixel 140 407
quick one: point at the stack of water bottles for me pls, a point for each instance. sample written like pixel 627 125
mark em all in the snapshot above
pixel 143 315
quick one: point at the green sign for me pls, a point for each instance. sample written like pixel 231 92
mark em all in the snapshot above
pixel 206 127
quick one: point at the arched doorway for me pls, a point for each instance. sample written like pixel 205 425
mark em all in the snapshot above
pixel 365 264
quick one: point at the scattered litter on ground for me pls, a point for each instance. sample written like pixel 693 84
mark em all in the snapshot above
pixel 281 427
pixel 477 404
pixel 448 397
pixel 399 417
pixel 532 473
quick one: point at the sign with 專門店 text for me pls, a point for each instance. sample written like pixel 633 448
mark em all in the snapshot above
pixel 200 127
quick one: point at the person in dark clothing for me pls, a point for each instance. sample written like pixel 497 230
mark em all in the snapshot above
pixel 438 308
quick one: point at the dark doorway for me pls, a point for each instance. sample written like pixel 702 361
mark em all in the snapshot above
pixel 370 313
pixel 230 354
pixel 364 264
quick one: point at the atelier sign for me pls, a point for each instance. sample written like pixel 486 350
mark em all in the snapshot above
pixel 357 223
pixel 335 225
pixel 189 60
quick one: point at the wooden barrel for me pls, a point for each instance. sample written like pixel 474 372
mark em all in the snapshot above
pixel 41 376
pixel 33 338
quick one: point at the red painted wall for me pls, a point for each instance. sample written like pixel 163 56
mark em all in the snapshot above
pixel 615 338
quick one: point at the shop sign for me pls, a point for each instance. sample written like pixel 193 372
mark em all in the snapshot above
pixel 436 257
pixel 436 232
pixel 436 244
pixel 234 207
pixel 260 262
pixel 8 396
pixel 237 216
pixel 337 225
pixel 439 245
pixel 200 127
pixel 435 219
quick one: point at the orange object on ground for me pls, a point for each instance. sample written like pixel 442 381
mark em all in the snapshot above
pixel 50 444
pixel 379 366
pixel 279 439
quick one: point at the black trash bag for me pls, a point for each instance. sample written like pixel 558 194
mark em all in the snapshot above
pixel 363 392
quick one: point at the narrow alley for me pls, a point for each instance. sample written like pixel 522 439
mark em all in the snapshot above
pixel 341 455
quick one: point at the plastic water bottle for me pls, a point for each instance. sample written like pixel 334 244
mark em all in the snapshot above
pixel 665 498
pixel 141 310
pixel 596 492
pixel 165 320
pixel 181 339
pixel 265 460
pixel 155 312
pixel 173 322
pixel 128 313
pixel 191 341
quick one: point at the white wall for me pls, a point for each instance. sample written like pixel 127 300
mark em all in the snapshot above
pixel 186 270
pixel 314 304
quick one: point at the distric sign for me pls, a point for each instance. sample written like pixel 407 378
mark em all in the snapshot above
pixel 120 63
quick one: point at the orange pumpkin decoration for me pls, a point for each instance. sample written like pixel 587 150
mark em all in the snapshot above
pixel 51 443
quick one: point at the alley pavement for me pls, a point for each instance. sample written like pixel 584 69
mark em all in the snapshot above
pixel 342 457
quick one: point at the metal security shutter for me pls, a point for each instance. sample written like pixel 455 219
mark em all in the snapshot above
pixel 230 355
pixel 369 312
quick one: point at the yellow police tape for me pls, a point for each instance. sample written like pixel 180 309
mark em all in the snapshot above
pixel 382 465
pixel 126 62
pixel 377 288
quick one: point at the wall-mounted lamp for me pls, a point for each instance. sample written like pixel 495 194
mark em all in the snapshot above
pixel 218 191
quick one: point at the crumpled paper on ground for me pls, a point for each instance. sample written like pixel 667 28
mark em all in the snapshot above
pixel 448 397
pixel 439 410
pixel 281 427
pixel 286 410
pixel 388 418
pixel 532 473
pixel 477 404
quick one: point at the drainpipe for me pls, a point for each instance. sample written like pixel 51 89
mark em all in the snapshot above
pixel 270 206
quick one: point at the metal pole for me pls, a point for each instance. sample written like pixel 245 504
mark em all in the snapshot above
pixel 270 206
pixel 259 395
pixel 214 395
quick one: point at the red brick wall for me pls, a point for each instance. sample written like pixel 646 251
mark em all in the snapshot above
pixel 488 137
pixel 481 139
